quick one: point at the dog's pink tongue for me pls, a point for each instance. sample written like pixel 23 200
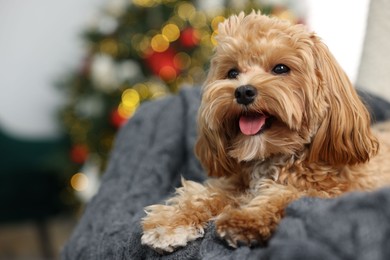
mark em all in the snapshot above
pixel 251 124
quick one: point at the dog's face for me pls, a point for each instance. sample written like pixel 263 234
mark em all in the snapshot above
pixel 274 89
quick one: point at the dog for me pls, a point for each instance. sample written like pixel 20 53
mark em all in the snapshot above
pixel 279 120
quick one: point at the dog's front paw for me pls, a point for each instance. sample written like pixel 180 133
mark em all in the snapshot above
pixel 169 238
pixel 243 228
pixel 166 229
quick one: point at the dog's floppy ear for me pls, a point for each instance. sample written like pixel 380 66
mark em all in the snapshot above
pixel 211 150
pixel 344 136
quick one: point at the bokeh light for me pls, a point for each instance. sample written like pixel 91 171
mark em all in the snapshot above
pixel 129 103
pixel 216 21
pixel 186 10
pixel 182 60
pixel 143 90
pixel 79 182
pixel 167 73
pixel 145 3
pixel 171 32
pixel 159 43
pixel 130 98
pixel 109 46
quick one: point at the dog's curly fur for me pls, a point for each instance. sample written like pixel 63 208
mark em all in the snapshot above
pixel 307 134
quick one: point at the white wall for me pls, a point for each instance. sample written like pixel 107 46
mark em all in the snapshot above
pixel 375 62
pixel 39 40
pixel 341 24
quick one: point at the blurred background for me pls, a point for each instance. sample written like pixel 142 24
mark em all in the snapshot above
pixel 72 72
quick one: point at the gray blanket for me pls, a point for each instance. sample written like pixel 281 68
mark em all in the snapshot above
pixel 156 147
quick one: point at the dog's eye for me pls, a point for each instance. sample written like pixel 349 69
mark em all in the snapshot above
pixel 280 69
pixel 232 74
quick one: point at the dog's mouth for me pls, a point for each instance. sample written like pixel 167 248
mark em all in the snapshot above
pixel 254 123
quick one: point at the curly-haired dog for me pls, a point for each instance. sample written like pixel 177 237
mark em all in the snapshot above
pixel 279 120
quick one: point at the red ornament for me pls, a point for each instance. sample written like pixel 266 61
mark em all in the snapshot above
pixel 117 119
pixel 189 37
pixel 162 64
pixel 79 153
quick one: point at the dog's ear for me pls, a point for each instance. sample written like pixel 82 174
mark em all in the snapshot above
pixel 344 136
pixel 211 150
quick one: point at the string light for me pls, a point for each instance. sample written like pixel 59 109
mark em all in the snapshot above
pixel 216 21
pixel 185 80
pixel 159 43
pixel 157 89
pixel 185 10
pixel 178 21
pixel 125 112
pixel 79 182
pixel 129 104
pixel 142 90
pixel 109 46
pixel 130 98
pixel 169 1
pixel 144 45
pixel 136 40
pixel 198 20
pixel 212 38
pixel 182 60
pixel 145 3
pixel 286 15
pixel 171 32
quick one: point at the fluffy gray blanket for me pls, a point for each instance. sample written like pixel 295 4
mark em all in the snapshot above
pixel 156 147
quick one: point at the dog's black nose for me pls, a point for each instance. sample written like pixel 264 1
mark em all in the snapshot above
pixel 245 94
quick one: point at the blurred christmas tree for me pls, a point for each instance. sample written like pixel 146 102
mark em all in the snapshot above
pixel 138 51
